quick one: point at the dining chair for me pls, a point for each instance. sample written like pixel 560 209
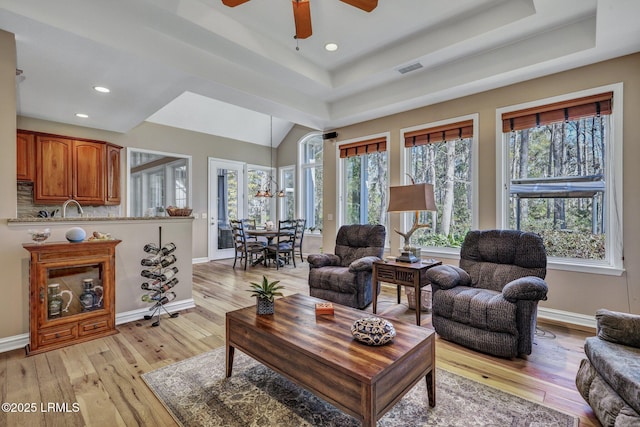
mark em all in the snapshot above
pixel 300 226
pixel 282 250
pixel 250 224
pixel 244 249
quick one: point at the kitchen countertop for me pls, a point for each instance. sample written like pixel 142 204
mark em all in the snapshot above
pixel 93 219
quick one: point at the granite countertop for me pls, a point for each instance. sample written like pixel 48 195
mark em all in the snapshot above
pixel 94 219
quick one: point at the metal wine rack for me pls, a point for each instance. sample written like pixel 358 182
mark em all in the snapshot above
pixel 160 272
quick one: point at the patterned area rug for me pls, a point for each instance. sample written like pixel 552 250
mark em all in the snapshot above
pixel 196 393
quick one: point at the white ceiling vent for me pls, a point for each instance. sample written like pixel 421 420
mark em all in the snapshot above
pixel 408 68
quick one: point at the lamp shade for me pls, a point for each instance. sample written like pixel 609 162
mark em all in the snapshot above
pixel 415 197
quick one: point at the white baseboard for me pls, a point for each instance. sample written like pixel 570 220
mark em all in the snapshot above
pixel 130 316
pixel 20 341
pixel 199 260
pixel 11 343
pixel 567 317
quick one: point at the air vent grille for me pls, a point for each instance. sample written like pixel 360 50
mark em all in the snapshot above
pixel 408 68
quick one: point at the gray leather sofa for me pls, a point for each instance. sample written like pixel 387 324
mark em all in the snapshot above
pixel 609 378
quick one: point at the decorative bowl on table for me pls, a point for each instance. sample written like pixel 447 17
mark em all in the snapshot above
pixel 373 331
pixel 40 236
pixel 179 211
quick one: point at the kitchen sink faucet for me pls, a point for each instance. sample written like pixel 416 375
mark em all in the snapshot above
pixel 65 204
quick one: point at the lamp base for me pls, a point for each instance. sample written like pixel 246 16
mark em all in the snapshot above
pixel 407 256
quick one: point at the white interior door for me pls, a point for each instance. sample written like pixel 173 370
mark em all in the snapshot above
pixel 226 202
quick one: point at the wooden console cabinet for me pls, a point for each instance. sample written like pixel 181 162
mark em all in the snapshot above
pixel 67 265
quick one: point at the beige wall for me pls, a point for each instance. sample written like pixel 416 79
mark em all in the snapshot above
pixel 570 292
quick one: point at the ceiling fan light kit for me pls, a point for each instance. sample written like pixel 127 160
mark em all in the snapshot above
pixel 302 12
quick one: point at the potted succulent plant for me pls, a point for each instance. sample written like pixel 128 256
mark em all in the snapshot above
pixel 265 293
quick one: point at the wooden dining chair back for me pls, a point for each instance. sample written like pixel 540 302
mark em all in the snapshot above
pixel 300 226
pixel 244 249
pixel 282 250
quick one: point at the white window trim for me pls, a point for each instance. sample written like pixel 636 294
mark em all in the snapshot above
pixel 340 182
pixel 445 252
pixel 613 265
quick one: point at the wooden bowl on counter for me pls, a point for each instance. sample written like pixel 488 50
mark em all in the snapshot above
pixel 179 211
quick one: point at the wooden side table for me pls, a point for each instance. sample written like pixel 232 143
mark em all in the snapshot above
pixel 401 274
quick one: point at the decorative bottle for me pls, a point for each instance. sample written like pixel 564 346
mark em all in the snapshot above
pixel 88 295
pixel 54 301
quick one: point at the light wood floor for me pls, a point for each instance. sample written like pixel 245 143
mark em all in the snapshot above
pixel 103 376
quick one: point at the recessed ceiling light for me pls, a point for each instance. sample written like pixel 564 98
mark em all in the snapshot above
pixel 331 47
pixel 82 115
pixel 101 89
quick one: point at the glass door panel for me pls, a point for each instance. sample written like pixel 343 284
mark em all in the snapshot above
pixel 227 202
pixel 73 290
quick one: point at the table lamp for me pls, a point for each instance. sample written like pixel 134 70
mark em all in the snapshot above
pixel 408 198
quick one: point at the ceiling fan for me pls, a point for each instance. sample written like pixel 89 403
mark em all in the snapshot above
pixel 302 12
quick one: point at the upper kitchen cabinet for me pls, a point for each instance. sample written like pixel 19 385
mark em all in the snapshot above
pixel 26 156
pixel 66 168
pixel 89 170
pixel 112 196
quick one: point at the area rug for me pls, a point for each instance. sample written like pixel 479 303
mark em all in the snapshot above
pixel 196 393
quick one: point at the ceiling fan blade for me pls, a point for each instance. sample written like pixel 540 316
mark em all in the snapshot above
pixel 366 5
pixel 302 18
pixel 233 3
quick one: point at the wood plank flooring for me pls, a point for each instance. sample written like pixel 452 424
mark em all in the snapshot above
pixel 98 383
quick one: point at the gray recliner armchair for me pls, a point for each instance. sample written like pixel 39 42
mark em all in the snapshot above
pixel 345 277
pixel 490 302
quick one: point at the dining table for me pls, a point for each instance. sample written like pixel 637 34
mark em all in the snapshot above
pixel 268 234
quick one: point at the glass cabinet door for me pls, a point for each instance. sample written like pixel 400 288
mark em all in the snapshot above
pixel 73 290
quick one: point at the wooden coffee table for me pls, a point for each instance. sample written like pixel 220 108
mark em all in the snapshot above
pixel 320 354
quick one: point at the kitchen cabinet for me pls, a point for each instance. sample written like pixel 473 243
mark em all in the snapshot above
pixel 112 196
pixel 69 168
pixel 71 293
pixel 25 156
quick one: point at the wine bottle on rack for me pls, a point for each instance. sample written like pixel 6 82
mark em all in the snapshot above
pixel 151 248
pixel 151 286
pixel 168 248
pixel 166 261
pixel 168 273
pixel 169 296
pixel 152 274
pixel 151 260
pixel 170 284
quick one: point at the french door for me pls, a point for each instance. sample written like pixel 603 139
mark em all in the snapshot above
pixel 226 201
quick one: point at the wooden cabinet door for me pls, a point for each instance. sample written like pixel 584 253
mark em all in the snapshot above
pixel 26 156
pixel 113 175
pixel 88 172
pixel 54 169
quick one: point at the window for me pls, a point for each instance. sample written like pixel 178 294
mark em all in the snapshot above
pixel 444 154
pixel 260 208
pixel 157 180
pixel 363 172
pixel 559 181
pixel 288 185
pixel 310 192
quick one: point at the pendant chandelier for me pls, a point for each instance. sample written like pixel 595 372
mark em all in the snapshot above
pixel 266 192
